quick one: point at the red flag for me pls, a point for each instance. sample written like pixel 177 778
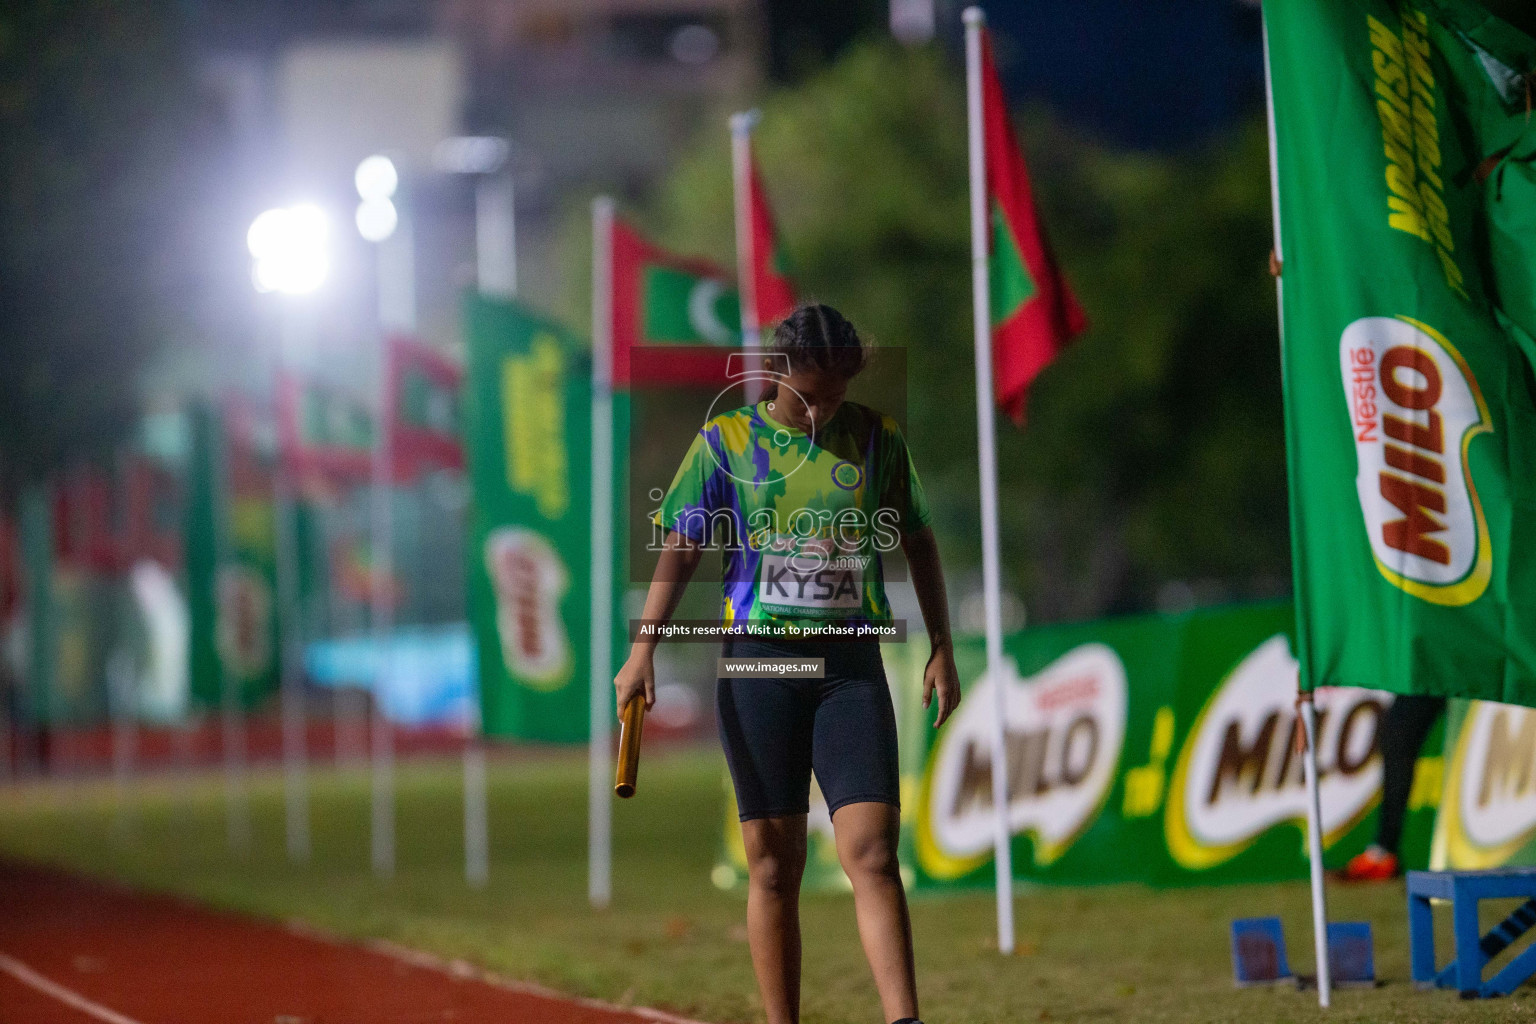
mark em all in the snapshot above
pixel 684 309
pixel 1034 313
pixel 84 521
pixel 154 497
pixel 766 281
pixel 250 453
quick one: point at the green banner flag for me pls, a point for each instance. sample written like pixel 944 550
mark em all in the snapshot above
pixel 231 559
pixel 527 425
pixel 37 548
pixel 1411 424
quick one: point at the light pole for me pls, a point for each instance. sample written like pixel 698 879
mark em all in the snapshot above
pixel 485 157
pixel 289 250
pixel 380 222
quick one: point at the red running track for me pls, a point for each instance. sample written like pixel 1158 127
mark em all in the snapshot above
pixel 76 951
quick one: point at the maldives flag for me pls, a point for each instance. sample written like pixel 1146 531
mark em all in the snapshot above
pixel 424 410
pixel 765 271
pixel 325 435
pixel 1034 313
pixel 675 318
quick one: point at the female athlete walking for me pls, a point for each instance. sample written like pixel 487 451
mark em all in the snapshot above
pixel 803 491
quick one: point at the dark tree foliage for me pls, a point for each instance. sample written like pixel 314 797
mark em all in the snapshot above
pixel 100 126
pixel 1152 465
pixel 806 34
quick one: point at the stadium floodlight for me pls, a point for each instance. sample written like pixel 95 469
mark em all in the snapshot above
pixel 288 249
pixel 376 178
pixel 376 219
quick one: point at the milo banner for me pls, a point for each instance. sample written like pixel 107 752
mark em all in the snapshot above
pixel 1488 808
pixel 1149 749
pixel 527 426
pixel 1406 196
pixel 231 556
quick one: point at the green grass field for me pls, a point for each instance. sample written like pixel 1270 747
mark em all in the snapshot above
pixel 1116 953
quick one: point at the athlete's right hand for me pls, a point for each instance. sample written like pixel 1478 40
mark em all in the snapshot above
pixel 637 678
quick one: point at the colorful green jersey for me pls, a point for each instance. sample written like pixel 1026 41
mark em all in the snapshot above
pixel 802 521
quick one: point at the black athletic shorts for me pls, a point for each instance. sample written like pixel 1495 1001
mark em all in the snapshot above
pixel 776 730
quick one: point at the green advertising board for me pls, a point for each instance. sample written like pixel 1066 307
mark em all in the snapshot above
pixel 1488 806
pixel 528 433
pixel 1153 749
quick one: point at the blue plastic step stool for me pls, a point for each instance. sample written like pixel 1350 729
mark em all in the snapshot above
pixel 1473 949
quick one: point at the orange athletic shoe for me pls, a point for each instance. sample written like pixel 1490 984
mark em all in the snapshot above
pixel 1373 865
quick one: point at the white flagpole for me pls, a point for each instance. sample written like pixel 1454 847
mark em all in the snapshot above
pixel 1308 708
pixel 397 312
pixel 295 755
pixel 231 715
pixel 741 177
pixel 477 845
pixel 986 431
pixel 122 706
pixel 600 754
pixel 290 681
pixel 496 273
pixel 122 685
pixel 1315 853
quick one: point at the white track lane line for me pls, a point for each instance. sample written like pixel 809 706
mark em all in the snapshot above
pixel 27 976
pixel 461 969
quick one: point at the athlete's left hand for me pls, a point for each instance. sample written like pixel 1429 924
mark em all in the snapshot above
pixel 941 676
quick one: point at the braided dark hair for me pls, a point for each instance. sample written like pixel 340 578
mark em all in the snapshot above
pixel 818 336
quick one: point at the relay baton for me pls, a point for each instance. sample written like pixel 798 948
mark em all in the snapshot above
pixel 631 724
